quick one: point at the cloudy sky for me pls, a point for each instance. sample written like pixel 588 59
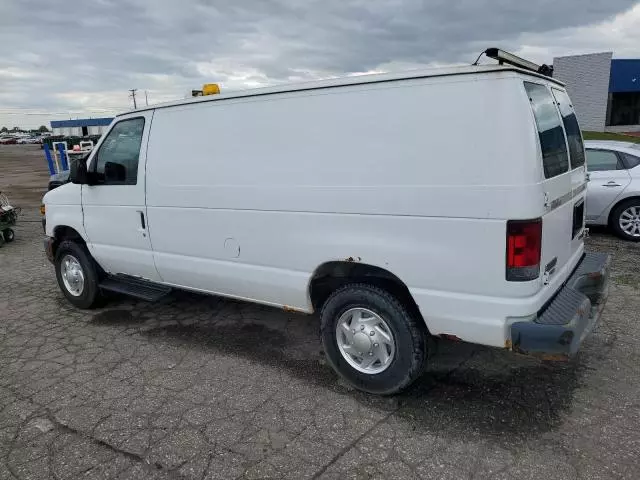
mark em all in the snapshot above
pixel 75 58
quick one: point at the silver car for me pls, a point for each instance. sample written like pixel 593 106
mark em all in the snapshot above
pixel 613 192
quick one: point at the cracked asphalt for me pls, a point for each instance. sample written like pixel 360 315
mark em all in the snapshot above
pixel 197 387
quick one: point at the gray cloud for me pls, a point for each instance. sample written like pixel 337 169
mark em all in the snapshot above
pixel 84 55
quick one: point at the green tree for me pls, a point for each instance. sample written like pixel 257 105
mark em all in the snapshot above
pixel 43 129
pixel 4 130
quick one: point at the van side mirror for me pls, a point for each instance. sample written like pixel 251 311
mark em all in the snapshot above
pixel 114 172
pixel 78 172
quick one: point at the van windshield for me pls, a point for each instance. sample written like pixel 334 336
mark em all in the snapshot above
pixel 555 159
pixel 571 128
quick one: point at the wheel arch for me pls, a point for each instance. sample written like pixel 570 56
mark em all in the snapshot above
pixel 635 196
pixel 332 275
pixel 65 232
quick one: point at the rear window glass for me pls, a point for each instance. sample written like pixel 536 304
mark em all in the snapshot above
pixel 571 128
pixel 631 160
pixel 555 160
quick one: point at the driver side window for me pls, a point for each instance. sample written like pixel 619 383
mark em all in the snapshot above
pixel 117 160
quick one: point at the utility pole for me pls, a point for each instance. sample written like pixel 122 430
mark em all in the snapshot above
pixel 133 95
pixel 146 99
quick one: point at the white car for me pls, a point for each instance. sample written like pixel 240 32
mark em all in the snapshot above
pixel 613 192
pixel 356 199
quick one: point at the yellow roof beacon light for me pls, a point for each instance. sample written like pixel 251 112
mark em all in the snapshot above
pixel 210 89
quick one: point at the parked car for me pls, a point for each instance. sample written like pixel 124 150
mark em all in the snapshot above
pixel 356 199
pixel 8 140
pixel 29 140
pixel 613 193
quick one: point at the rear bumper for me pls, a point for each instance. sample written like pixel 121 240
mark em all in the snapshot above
pixel 563 324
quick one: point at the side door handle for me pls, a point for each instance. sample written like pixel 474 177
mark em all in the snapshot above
pixel 611 183
pixel 143 224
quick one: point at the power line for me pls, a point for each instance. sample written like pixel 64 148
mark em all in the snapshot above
pixel 133 95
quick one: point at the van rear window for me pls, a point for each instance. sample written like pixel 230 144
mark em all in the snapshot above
pixel 555 159
pixel 571 128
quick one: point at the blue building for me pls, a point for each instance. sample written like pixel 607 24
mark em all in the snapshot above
pixel 80 127
pixel 624 93
pixel 605 91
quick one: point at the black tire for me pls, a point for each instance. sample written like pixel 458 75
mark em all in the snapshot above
pixel 9 235
pixel 90 296
pixel 409 333
pixel 615 219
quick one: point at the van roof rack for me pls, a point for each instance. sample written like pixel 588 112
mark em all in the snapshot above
pixel 509 58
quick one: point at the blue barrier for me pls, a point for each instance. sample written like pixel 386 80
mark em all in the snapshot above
pixel 47 153
pixel 63 157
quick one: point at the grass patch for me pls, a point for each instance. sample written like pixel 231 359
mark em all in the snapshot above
pixel 610 136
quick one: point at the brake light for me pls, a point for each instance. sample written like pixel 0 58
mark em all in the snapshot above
pixel 524 245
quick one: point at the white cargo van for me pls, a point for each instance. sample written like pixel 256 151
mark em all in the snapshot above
pixel 399 207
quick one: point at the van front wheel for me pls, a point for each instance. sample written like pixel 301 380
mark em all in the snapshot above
pixel 76 275
pixel 371 339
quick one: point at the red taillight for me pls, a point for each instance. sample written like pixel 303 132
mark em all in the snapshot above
pixel 524 245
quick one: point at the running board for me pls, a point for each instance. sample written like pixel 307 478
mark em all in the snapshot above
pixel 134 287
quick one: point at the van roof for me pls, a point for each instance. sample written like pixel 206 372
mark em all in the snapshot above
pixel 349 80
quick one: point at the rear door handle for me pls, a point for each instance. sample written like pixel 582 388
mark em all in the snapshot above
pixel 142 222
pixel 611 184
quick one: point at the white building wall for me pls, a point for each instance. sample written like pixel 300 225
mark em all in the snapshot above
pixel 77 131
pixel 97 130
pixel 587 81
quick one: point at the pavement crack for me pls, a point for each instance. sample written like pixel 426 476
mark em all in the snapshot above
pixel 206 470
pixel 112 448
pixel 67 429
pixel 351 444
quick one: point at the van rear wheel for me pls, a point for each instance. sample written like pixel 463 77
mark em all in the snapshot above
pixel 371 339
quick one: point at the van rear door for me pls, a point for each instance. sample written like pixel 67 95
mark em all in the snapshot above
pixel 563 184
pixel 577 164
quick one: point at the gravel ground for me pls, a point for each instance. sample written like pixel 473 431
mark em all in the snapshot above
pixel 199 387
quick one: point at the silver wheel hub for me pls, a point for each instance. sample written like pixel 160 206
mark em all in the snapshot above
pixel 629 221
pixel 72 275
pixel 365 340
